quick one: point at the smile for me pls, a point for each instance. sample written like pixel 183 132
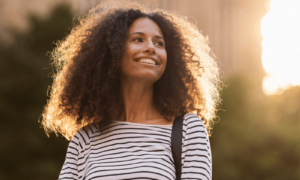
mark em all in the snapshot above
pixel 147 61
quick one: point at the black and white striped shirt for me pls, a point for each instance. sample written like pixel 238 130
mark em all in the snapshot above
pixel 138 151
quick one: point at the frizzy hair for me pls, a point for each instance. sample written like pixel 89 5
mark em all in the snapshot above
pixel 86 88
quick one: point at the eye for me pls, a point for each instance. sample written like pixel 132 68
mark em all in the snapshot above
pixel 159 43
pixel 137 39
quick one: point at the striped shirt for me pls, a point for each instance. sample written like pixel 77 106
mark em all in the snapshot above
pixel 138 151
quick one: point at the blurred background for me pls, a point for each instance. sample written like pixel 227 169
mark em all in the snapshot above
pixel 257 44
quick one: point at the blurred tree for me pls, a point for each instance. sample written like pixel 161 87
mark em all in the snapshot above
pixel 26 152
pixel 257 136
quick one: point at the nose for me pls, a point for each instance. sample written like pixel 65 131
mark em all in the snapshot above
pixel 150 48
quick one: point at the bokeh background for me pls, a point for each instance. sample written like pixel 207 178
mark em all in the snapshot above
pixel 257 136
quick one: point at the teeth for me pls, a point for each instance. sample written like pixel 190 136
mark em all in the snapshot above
pixel 149 61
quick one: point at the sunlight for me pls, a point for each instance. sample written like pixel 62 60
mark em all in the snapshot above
pixel 280 28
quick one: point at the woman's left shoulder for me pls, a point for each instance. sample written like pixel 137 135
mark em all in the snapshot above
pixel 192 118
pixel 192 122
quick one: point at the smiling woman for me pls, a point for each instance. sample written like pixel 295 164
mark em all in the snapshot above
pixel 145 56
pixel 123 74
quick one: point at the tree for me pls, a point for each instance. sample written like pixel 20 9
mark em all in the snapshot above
pixel 257 136
pixel 25 69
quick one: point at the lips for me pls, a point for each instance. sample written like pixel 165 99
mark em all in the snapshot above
pixel 147 61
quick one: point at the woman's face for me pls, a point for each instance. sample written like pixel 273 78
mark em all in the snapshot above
pixel 145 56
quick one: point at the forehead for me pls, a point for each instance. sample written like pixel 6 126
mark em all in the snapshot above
pixel 145 25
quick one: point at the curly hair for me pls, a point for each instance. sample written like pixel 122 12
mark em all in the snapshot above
pixel 86 88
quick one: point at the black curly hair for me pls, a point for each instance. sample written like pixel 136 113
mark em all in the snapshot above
pixel 87 87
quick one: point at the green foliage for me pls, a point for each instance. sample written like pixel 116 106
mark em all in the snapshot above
pixel 257 136
pixel 26 152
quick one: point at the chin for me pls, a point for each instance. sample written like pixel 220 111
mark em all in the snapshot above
pixel 149 77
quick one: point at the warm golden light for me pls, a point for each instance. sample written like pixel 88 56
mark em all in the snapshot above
pixel 280 28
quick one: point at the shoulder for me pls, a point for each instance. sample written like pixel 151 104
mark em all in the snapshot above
pixel 192 124
pixel 196 153
pixel 84 135
pixel 191 119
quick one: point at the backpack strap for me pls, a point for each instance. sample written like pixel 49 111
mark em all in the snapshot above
pixel 176 144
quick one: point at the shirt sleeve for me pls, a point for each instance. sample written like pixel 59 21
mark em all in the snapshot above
pixel 70 169
pixel 196 153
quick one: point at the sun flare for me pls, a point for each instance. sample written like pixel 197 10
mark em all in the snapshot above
pixel 280 28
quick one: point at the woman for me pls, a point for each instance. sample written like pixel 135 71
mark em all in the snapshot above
pixel 123 74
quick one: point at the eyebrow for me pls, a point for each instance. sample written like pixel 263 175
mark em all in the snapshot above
pixel 141 33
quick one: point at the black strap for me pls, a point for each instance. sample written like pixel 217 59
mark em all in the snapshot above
pixel 176 144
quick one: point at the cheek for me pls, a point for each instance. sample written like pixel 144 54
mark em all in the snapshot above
pixel 126 59
pixel 125 65
pixel 164 57
pixel 126 53
pixel 124 62
pixel 131 50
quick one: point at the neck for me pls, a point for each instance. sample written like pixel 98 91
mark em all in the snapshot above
pixel 138 103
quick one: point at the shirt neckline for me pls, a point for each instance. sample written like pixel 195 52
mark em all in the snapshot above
pixel 140 124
